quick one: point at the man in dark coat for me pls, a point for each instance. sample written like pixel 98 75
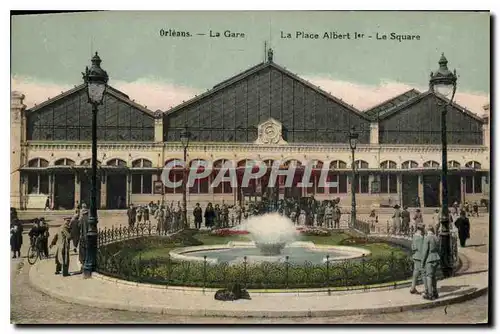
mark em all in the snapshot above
pixel 405 220
pixel 209 216
pixel 463 226
pixel 75 230
pixel 84 227
pixel 198 216
pixel 44 233
pixel 62 241
pixel 131 214
pixel 16 238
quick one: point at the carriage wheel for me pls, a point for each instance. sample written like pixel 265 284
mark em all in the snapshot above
pixel 32 255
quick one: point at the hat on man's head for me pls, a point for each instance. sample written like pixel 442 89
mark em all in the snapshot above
pixel 84 206
pixel 396 206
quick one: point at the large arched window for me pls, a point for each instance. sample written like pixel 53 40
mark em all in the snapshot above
pixel 409 164
pixel 388 164
pixel 142 163
pixel 388 182
pixel 473 183
pixel 453 164
pixel 38 182
pixel 361 164
pixel 199 186
pixel 431 164
pixel 361 181
pixel 38 163
pixel 338 164
pixel 316 188
pixel 64 162
pixel 142 181
pixel 116 163
pixel 340 179
pixel 473 164
pixel 87 162
pixel 176 174
pixel 223 187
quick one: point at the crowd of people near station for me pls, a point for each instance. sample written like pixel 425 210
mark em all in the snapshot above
pixel 306 211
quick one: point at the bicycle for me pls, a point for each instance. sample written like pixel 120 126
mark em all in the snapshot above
pixel 35 251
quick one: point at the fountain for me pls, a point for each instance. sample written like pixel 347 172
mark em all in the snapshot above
pixel 270 232
pixel 274 239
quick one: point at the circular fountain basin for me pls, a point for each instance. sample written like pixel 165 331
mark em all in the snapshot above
pixel 295 252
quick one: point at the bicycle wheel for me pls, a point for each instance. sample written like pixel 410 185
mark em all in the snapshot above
pixel 32 255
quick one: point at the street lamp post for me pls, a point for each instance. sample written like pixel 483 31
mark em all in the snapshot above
pixel 96 80
pixel 444 82
pixel 185 136
pixel 353 139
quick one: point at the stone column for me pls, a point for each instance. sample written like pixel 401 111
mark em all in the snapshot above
pixel 400 189
pixel 374 135
pixel 17 137
pixel 158 127
pixel 77 189
pixel 421 189
pixel 103 189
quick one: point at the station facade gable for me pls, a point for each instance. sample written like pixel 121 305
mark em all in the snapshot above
pixel 232 110
pixel 418 121
pixel 68 117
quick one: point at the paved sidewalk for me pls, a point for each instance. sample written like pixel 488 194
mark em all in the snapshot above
pixel 96 292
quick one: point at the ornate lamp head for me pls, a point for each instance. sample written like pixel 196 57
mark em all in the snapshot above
pixel 443 81
pixel 96 80
pixel 353 138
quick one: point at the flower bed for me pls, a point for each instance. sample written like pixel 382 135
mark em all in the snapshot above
pixel 225 232
pixel 315 232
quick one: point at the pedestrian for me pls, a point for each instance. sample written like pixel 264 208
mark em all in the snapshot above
pixel 159 216
pixel 84 228
pixel 44 234
pixel 430 261
pixel 463 226
pixel 177 217
pixel 140 211
pixel 320 215
pixel 337 215
pixel 167 219
pixel 16 238
pixel 302 218
pixel 396 220
pixel 198 216
pixel 405 220
pixel 467 209
pixel 418 217
pixel 417 248
pixel 34 232
pixel 145 214
pixel 209 216
pixel 475 209
pixel 217 212
pixel 454 208
pixel 329 215
pixel 436 220
pixel 225 215
pixel 237 212
pixel 131 214
pixel 47 204
pixel 74 227
pixel 62 240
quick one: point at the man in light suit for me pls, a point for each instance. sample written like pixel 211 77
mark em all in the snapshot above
pixel 417 248
pixel 430 261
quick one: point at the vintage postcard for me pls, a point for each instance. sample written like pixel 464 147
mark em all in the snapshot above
pixel 250 167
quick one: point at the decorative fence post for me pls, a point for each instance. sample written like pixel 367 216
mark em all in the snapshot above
pixel 286 271
pixel 327 279
pixel 204 272
pixel 363 260
pixel 393 273
pixel 245 271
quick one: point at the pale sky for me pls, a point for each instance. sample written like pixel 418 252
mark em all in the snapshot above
pixel 49 52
